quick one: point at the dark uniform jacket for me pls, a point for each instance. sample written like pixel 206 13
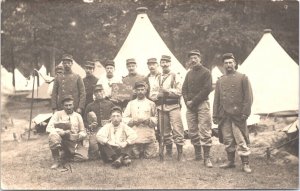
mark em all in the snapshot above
pixel 68 84
pixel 197 85
pixel 101 108
pixel 233 98
pixel 89 83
pixel 131 79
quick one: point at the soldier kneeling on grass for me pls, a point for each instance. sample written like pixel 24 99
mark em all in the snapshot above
pixel 115 140
pixel 67 133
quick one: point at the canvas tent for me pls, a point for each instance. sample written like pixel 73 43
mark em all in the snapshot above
pixel 6 82
pixel 274 77
pixel 143 42
pixel 41 93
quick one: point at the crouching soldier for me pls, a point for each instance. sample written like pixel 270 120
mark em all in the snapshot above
pixel 67 132
pixel 96 115
pixel 115 140
pixel 140 114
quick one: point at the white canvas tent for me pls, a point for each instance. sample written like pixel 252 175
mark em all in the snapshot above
pixel 143 42
pixel 274 77
pixel 7 87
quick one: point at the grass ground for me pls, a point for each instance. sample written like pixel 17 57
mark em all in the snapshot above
pixel 26 165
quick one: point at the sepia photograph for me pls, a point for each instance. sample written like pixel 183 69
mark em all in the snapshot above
pixel 149 94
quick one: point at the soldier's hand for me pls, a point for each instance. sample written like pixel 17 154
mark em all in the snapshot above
pixel 79 110
pixel 244 117
pixel 61 133
pixel 189 104
pixel 216 120
pixel 93 125
pixel 123 144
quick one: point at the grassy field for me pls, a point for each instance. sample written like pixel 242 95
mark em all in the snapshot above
pixel 26 165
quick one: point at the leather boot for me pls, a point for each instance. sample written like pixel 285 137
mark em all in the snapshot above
pixel 230 162
pixel 55 155
pixel 118 162
pixel 179 153
pixel 198 154
pixel 207 162
pixel 169 151
pixel 245 160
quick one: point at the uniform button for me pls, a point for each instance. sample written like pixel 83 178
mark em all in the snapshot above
pixel 232 85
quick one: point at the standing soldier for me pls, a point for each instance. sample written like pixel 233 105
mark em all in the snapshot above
pixel 140 114
pixel 232 107
pixel 68 84
pixel 89 81
pixel 152 77
pixel 107 80
pixel 195 90
pixel 169 95
pixel 131 78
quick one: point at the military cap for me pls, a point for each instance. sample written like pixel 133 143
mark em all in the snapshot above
pixel 116 109
pixel 59 67
pixel 227 56
pixel 139 84
pixel 152 60
pixel 66 98
pixel 67 57
pixel 166 57
pixel 194 52
pixel 130 60
pixel 89 64
pixel 98 87
pixel 110 63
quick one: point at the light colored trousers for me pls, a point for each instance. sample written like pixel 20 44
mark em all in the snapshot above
pixel 199 125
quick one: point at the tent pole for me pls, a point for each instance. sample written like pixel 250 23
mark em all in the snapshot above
pixel 31 106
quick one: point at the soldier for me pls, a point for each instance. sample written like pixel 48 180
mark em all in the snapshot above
pixel 107 80
pixel 67 131
pixel 232 106
pixel 140 114
pixel 169 92
pixel 68 84
pixel 115 140
pixel 195 90
pixel 152 77
pixel 89 81
pixel 101 108
pixel 131 78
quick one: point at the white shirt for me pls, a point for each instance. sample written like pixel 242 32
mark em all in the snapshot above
pixel 107 82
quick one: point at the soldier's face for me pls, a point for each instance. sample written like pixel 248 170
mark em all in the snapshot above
pixel 195 60
pixel 67 64
pixel 116 118
pixel 69 106
pixel 109 70
pixel 131 68
pixel 153 67
pixel 99 94
pixel 89 71
pixel 229 65
pixel 140 92
pixel 165 65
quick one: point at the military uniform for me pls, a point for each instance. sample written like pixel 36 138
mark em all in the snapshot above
pixel 142 109
pixel 68 84
pixel 232 106
pixel 89 82
pixel 233 98
pixel 72 149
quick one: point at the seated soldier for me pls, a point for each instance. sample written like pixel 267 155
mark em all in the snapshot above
pixel 96 115
pixel 115 139
pixel 140 114
pixel 67 131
